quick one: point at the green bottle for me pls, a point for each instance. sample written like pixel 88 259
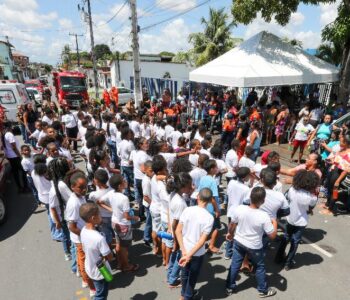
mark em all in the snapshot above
pixel 107 275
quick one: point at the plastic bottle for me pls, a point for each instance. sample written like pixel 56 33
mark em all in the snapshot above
pixel 164 235
pixel 335 194
pixel 105 272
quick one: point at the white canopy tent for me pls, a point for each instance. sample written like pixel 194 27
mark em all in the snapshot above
pixel 265 60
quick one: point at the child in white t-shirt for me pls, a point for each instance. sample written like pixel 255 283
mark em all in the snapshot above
pixel 101 182
pixel 192 231
pixel 95 248
pixel 146 202
pixel 116 202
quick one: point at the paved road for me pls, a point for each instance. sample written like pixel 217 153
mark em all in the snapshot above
pixel 33 266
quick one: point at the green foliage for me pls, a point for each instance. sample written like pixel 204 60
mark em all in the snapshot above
pixel 48 68
pixel 101 50
pixel 166 53
pixel 330 52
pixel 185 57
pixel 293 42
pixel 245 11
pixel 216 38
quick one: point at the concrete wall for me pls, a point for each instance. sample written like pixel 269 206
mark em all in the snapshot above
pixel 178 72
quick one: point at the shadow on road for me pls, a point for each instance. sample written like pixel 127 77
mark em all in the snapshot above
pixel 19 209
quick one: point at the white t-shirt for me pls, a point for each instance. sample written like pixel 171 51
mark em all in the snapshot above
pixel 125 148
pixel 196 221
pixel 193 158
pixel 43 187
pixel 252 223
pixel 169 158
pixel 86 151
pixel 303 131
pixel 196 175
pixel 135 127
pixel 164 200
pixel 70 120
pixel 66 153
pixel 246 162
pixel 174 138
pixel 10 139
pixel 64 190
pixel 156 203
pixel 94 246
pixel 205 151
pixel 300 201
pixel 273 202
pixel 97 195
pixel 47 120
pixel 81 134
pixel 27 164
pixel 112 131
pixel 146 130
pixel 120 204
pixel 231 161
pixel 139 159
pixel 176 208
pixel 146 189
pixel 54 203
pixel 258 168
pixel 168 130
pixel 160 134
pixel 237 192
pixel 72 215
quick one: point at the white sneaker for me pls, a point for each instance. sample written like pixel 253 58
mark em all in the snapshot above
pixel 77 274
pixel 92 293
pixel 67 257
pixel 84 285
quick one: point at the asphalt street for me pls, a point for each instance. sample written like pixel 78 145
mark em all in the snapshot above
pixel 33 266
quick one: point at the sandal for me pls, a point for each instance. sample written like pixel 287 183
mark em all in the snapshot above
pixel 133 268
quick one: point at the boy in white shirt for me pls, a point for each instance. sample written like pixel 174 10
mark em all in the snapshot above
pixel 193 230
pixel 175 135
pixel 245 160
pixel 101 182
pixel 95 248
pixel 117 203
pixel 147 199
pixel 249 224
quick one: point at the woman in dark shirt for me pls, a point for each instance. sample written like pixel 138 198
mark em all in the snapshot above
pixel 29 119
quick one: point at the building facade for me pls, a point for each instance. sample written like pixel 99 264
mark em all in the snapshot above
pixel 6 61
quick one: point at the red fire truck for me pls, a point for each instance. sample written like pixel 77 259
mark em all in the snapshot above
pixel 70 88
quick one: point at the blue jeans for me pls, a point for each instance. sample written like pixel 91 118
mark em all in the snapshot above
pixel 63 235
pixel 112 146
pixel 73 252
pixel 255 154
pixel 33 188
pixel 293 235
pixel 55 235
pixel 24 133
pixel 128 175
pixel 173 267
pixel 107 230
pixel 147 233
pixel 189 276
pixel 101 289
pixel 257 256
pixel 139 195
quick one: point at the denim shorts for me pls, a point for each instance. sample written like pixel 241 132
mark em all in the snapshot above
pixel 107 230
pixel 168 243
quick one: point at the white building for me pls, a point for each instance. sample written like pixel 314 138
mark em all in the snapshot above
pixel 155 74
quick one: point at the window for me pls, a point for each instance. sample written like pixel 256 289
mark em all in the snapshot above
pixel 7 97
pixel 123 91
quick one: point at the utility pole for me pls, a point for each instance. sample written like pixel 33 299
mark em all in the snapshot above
pixel 77 46
pixel 92 49
pixel 136 54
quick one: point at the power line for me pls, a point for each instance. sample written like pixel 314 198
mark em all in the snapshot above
pixel 174 16
pixel 111 19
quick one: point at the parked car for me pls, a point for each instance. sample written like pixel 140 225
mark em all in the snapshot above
pixel 124 95
pixel 35 96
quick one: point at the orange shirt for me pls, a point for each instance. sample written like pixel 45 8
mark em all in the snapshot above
pixel 228 125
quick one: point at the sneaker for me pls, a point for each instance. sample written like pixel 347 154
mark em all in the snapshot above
pixel 92 293
pixel 67 257
pixel 269 293
pixel 176 284
pixel 84 284
pixel 77 274
pixel 230 292
pixel 287 268
pixel 227 257
pixel 147 244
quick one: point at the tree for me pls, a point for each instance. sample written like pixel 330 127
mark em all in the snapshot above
pixel 101 50
pixel 216 38
pixel 48 68
pixel 330 52
pixel 338 31
pixel 166 53
pixel 66 55
pixel 293 42
pixel 185 57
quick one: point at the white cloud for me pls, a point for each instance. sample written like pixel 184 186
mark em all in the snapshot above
pixel 309 38
pixel 297 19
pixel 65 23
pixel 329 12
pixel 180 5
pixel 21 5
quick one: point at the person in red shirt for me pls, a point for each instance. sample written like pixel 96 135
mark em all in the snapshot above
pixel 228 128
pixel 106 98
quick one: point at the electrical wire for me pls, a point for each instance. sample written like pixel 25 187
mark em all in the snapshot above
pixel 111 19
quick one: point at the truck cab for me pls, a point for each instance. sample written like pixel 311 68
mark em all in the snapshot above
pixel 70 88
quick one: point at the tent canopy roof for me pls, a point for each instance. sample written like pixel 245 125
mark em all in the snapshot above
pixel 265 60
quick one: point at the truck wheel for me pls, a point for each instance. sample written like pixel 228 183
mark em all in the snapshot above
pixel 2 211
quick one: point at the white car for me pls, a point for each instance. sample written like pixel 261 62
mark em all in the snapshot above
pixel 38 96
pixel 124 95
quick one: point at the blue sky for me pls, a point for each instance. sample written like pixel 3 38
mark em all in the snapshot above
pixel 40 28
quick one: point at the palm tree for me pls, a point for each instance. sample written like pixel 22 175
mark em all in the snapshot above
pixel 216 38
pixel 330 52
pixel 293 42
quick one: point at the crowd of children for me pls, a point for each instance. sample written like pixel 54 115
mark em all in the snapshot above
pixel 177 181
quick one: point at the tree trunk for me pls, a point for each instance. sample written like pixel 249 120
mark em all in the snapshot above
pixel 344 76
